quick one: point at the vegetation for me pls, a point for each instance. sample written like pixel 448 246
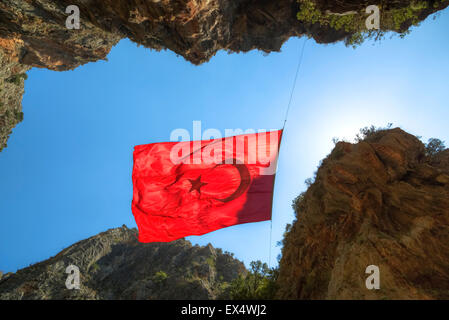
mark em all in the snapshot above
pixel 402 18
pixel 309 13
pixel 371 133
pixel 13 116
pixel 211 262
pixel 95 267
pixel 434 146
pixel 288 227
pixel 258 284
pixel 297 203
pixel 17 78
pixel 353 23
pixel 160 277
pixel 308 182
pixel 19 116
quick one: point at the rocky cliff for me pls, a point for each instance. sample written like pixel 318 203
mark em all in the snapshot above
pixel 113 265
pixel 33 33
pixel 382 202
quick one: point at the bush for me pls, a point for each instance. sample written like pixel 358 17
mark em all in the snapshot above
pixel 160 276
pixel 19 116
pixel 258 284
pixel 288 228
pixel 211 262
pixel 17 78
pixel 94 267
pixel 298 201
pixel 370 132
pixel 434 146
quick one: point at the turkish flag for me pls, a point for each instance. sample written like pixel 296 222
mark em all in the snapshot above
pixel 195 187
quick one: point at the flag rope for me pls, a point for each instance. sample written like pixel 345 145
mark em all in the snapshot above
pixel 301 55
pixel 271 231
pixel 296 79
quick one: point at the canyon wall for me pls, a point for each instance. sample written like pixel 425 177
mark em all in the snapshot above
pixel 383 202
pixel 33 33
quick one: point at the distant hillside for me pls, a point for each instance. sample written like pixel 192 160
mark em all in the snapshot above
pixel 114 265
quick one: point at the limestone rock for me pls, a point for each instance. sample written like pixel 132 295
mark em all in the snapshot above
pixel 114 265
pixel 379 202
pixel 34 33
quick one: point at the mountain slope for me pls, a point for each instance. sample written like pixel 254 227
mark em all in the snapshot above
pixel 113 265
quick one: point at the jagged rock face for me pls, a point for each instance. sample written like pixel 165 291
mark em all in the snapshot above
pixel 33 33
pixel 113 265
pixel 11 89
pixel 379 202
pixel 195 29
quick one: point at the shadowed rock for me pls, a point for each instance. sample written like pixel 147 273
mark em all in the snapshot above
pixel 379 202
pixel 33 33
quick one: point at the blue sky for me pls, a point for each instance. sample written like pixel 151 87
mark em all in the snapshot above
pixel 66 173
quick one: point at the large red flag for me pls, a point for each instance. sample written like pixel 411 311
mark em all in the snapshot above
pixel 195 187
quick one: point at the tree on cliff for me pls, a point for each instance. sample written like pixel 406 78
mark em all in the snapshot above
pixel 258 284
pixel 434 146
